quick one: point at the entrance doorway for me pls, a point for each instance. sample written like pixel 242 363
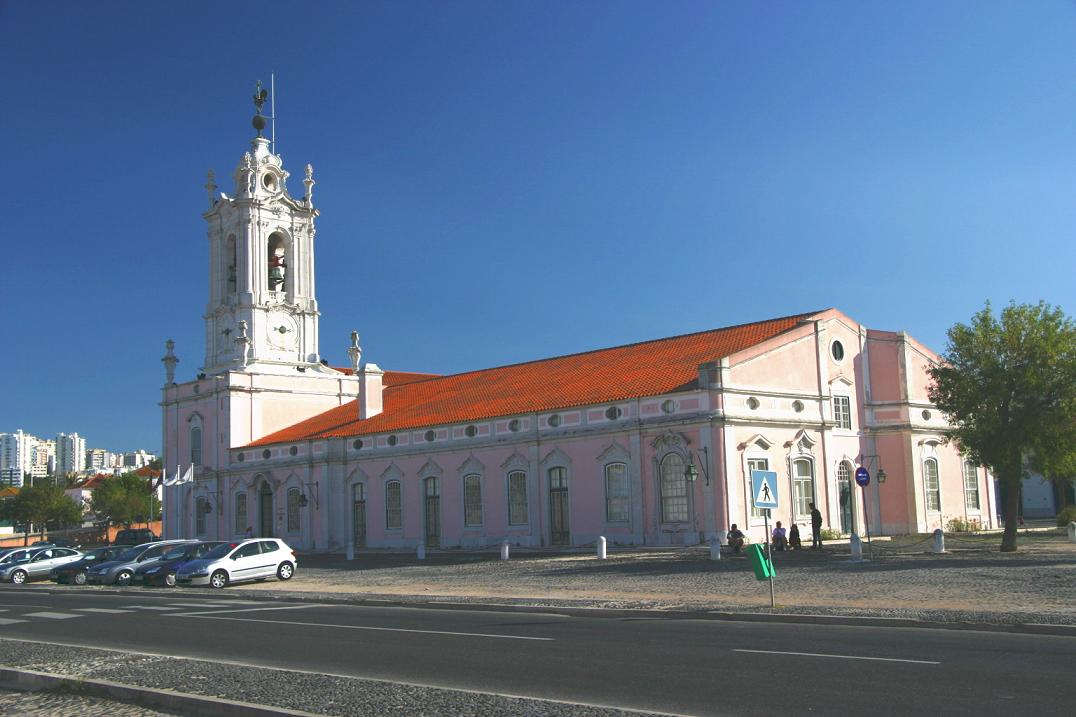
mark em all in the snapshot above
pixel 265 511
pixel 358 515
pixel 560 533
pixel 844 493
pixel 433 512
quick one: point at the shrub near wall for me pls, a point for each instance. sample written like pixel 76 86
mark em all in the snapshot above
pixel 1066 516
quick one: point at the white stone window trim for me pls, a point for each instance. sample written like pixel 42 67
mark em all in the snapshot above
pixel 626 494
pixel 964 464
pixel 928 451
pixel 801 449
pixel 509 494
pixel 390 475
pixel 481 500
pixel 756 448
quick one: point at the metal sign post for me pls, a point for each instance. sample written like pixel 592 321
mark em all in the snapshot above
pixel 863 479
pixel 764 496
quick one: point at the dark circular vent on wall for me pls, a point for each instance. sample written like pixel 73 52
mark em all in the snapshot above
pixel 293 450
pixel 357 444
pixel 471 431
pixel 430 435
pixel 392 440
pixel 266 453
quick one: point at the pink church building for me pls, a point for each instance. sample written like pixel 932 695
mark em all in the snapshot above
pixel 651 443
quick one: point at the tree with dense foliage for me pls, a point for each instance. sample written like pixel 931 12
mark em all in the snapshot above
pixel 1008 387
pixel 122 499
pixel 39 505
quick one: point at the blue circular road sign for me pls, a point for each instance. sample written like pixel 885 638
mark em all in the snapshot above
pixel 863 478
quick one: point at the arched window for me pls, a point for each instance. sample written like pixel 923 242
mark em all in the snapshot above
pixel 393 505
pixel 241 523
pixel 616 493
pixel 971 485
pixel 231 267
pixel 196 440
pixel 472 500
pixel 932 484
pixel 517 498
pixel 802 487
pixel 674 496
pixel 200 505
pixel 293 510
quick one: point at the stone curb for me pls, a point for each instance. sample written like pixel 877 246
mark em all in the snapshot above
pixel 182 702
pixel 650 613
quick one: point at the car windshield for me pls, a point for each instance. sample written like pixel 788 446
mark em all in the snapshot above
pixel 129 554
pixel 220 551
pixel 177 552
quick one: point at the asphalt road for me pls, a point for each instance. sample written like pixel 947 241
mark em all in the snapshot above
pixel 696 667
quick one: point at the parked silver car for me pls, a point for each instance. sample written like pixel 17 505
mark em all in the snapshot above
pixel 255 559
pixel 37 564
pixel 121 570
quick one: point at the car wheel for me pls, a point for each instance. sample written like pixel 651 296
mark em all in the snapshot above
pixel 123 577
pixel 170 580
pixel 18 577
pixel 218 579
pixel 285 571
pixel 79 578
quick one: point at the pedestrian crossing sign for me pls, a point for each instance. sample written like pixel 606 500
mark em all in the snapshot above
pixel 764 489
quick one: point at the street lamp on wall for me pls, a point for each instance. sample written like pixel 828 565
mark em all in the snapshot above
pixel 304 501
pixel 691 472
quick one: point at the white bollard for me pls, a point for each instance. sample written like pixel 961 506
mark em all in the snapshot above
pixel 1072 532
pixel 722 537
pixel 504 550
pixel 350 550
pixel 421 550
pixel 939 541
pixel 857 547
pixel 601 548
pixel 715 549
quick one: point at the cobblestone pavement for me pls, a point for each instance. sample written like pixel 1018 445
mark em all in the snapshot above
pixel 972 581
pixel 320 694
pixel 58 704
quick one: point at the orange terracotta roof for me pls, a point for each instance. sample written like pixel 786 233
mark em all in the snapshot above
pixel 147 472
pixel 649 368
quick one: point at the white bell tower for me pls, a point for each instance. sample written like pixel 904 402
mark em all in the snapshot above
pixel 262 314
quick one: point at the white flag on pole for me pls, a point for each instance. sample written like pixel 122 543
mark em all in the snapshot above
pixel 188 476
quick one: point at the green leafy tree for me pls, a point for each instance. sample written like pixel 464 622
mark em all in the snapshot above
pixel 122 499
pixel 39 505
pixel 1008 387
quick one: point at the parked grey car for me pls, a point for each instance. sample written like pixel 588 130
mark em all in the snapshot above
pixel 37 564
pixel 121 570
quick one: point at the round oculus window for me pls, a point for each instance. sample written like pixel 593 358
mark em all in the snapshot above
pixel 554 420
pixel 471 431
pixel 797 406
pixel 668 406
pixel 266 453
pixel 357 444
pixel 269 182
pixel 752 403
pixel 837 350
pixel 241 457
pixel 926 415
pixel 613 413
pixel 292 451
pixel 430 435
pixel 392 440
pixel 513 425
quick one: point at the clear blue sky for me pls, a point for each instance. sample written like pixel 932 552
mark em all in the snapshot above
pixel 503 181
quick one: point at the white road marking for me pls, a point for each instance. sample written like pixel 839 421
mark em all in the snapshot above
pixel 102 609
pixel 214 616
pixel 198 604
pixel 841 657
pixel 53 615
pixel 149 607
pixel 9 621
pixel 255 609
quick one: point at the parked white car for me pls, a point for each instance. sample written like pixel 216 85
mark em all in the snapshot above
pixel 256 559
pixel 37 564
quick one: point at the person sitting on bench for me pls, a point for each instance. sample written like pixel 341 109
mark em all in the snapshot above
pixel 735 539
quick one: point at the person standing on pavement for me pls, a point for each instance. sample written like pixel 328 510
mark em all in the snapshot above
pixel 816 527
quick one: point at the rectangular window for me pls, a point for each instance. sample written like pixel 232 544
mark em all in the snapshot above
pixel 293 510
pixel 842 411
pixel 196 446
pixel 802 487
pixel 932 485
pixel 755 464
pixel 971 486
pixel 616 493
pixel 517 498
pixel 241 524
pixel 393 506
pixel 472 500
